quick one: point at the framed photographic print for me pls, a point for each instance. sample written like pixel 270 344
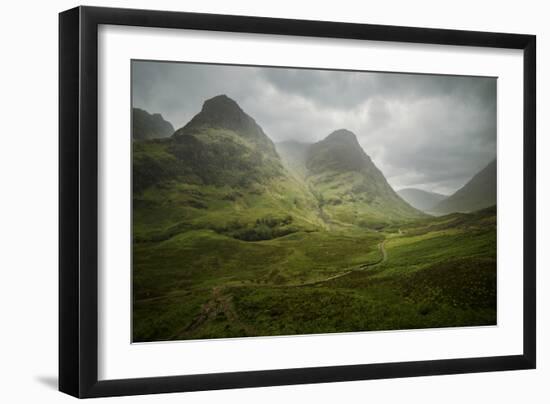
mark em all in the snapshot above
pixel 251 201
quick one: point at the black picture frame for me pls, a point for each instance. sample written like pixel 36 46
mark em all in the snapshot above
pixel 78 201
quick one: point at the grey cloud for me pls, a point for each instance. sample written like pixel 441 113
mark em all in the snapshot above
pixel 429 131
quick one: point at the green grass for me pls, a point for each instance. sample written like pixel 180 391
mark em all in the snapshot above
pixel 203 284
pixel 346 198
pixel 250 250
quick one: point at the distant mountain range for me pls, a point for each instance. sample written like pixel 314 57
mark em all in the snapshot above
pixel 149 126
pixel 478 193
pixel 420 199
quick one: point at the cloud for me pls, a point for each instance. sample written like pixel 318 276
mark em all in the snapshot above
pixel 428 131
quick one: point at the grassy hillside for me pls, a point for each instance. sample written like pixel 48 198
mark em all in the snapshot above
pixel 201 284
pixel 251 198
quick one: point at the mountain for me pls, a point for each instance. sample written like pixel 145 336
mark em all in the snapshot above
pixel 478 193
pixel 222 173
pixel 149 126
pixel 421 200
pixel 224 145
pixel 224 113
pixel 350 187
pixel 219 172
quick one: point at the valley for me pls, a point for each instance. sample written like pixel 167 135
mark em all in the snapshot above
pixel 234 236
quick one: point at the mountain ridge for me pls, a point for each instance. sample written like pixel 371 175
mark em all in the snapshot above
pixel 149 126
pixel 478 193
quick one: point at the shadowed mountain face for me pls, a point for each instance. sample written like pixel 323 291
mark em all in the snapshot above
pixel 478 193
pixel 223 112
pixel 149 126
pixel 350 186
pixel 420 199
pixel 224 145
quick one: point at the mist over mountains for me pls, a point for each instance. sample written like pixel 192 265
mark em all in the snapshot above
pixel 420 199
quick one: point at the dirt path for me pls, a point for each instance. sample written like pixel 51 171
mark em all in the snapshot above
pixel 382 248
pixel 362 267
pixel 223 303
pixel 218 303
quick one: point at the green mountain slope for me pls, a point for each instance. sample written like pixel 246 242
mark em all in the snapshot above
pixel 420 199
pixel 350 187
pixel 478 193
pixel 219 172
pixel 149 126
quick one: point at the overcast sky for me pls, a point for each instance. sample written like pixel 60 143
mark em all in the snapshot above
pixel 426 131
